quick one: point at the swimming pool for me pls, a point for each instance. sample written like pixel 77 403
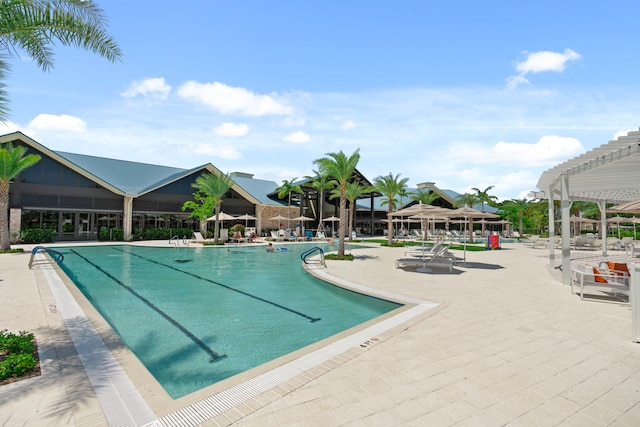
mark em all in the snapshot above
pixel 196 316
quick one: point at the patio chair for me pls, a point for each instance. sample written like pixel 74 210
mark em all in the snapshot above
pixel 275 235
pixel 591 278
pixel 198 237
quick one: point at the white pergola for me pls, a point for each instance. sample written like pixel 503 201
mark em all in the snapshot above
pixel 607 174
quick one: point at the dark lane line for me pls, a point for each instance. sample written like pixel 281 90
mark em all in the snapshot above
pixel 312 319
pixel 214 357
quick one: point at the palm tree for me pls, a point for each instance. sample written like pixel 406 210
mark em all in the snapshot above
pixel 285 190
pixel 341 168
pixel 13 160
pixel 390 186
pixel 34 26
pixel 354 190
pixel 467 199
pixel 321 183
pixel 483 196
pixel 425 197
pixel 214 186
pixel 516 208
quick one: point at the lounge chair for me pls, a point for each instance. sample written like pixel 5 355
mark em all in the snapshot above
pixel 591 278
pixel 198 237
pixel 439 257
pixel 277 236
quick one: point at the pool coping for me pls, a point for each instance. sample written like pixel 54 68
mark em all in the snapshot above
pixel 123 404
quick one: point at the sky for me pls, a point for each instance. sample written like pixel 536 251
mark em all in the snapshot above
pixel 463 93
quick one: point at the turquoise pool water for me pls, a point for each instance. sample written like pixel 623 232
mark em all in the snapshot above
pixel 196 316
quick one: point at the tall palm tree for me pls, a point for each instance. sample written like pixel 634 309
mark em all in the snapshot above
pixel 214 186
pixel 426 197
pixel 13 160
pixel 34 26
pixel 390 186
pixel 353 191
pixel 341 168
pixel 286 190
pixel 321 183
pixel 483 196
pixel 516 208
pixel 467 199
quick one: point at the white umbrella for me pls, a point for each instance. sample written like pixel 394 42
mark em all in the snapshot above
pixel 246 218
pixel 222 217
pixel 332 219
pixel 302 219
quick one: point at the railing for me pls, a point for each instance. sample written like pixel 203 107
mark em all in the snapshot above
pixel 304 255
pixel 175 240
pixel 57 256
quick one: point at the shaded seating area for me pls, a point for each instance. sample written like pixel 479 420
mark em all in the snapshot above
pixel 608 279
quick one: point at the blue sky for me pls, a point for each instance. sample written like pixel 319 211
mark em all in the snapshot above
pixel 462 93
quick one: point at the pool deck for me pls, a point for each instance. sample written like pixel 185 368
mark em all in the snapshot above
pixel 507 344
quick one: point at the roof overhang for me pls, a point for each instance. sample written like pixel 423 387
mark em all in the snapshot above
pixel 19 136
pixel 609 173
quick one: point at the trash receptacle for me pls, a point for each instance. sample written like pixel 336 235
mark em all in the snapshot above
pixel 493 242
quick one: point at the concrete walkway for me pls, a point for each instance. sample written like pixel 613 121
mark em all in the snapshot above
pixel 507 344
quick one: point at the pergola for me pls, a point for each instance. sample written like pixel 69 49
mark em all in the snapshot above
pixel 607 174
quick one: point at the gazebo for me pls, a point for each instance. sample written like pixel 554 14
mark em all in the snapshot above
pixel 607 174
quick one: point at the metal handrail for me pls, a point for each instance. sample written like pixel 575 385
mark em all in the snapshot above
pixel 57 256
pixel 309 252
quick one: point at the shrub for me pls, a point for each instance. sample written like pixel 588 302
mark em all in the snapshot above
pixel 17 354
pixel 37 235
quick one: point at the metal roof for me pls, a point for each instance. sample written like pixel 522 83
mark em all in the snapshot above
pixel 609 173
pixel 129 177
pixel 259 189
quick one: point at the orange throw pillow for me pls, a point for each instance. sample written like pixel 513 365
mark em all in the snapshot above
pixel 597 276
pixel 619 268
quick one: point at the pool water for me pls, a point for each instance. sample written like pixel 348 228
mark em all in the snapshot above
pixel 196 316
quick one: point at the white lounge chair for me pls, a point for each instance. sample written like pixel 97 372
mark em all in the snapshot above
pixel 198 237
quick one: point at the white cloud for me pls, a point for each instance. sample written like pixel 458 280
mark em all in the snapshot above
pixel 549 150
pixel 220 151
pixel 347 125
pixel 298 137
pixel 538 62
pixel 63 122
pixel 8 127
pixel 232 129
pixel 152 87
pixel 232 100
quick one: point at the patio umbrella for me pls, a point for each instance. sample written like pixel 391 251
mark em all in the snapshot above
pixel 279 218
pixel 617 220
pixel 629 207
pixel 469 214
pixel 222 217
pixel 332 219
pixel 246 218
pixel 302 219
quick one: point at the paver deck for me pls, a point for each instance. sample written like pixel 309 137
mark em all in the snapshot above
pixel 507 344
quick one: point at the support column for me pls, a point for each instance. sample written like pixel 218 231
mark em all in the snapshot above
pixel 603 226
pixel 565 205
pixel 127 218
pixel 552 229
pixel 15 223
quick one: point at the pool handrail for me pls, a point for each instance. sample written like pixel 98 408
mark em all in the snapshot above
pixel 313 250
pixel 57 256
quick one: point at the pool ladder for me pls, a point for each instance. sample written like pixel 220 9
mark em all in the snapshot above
pixel 57 256
pixel 304 255
pixel 176 240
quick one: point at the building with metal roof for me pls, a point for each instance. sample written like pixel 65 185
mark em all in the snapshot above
pixel 77 195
